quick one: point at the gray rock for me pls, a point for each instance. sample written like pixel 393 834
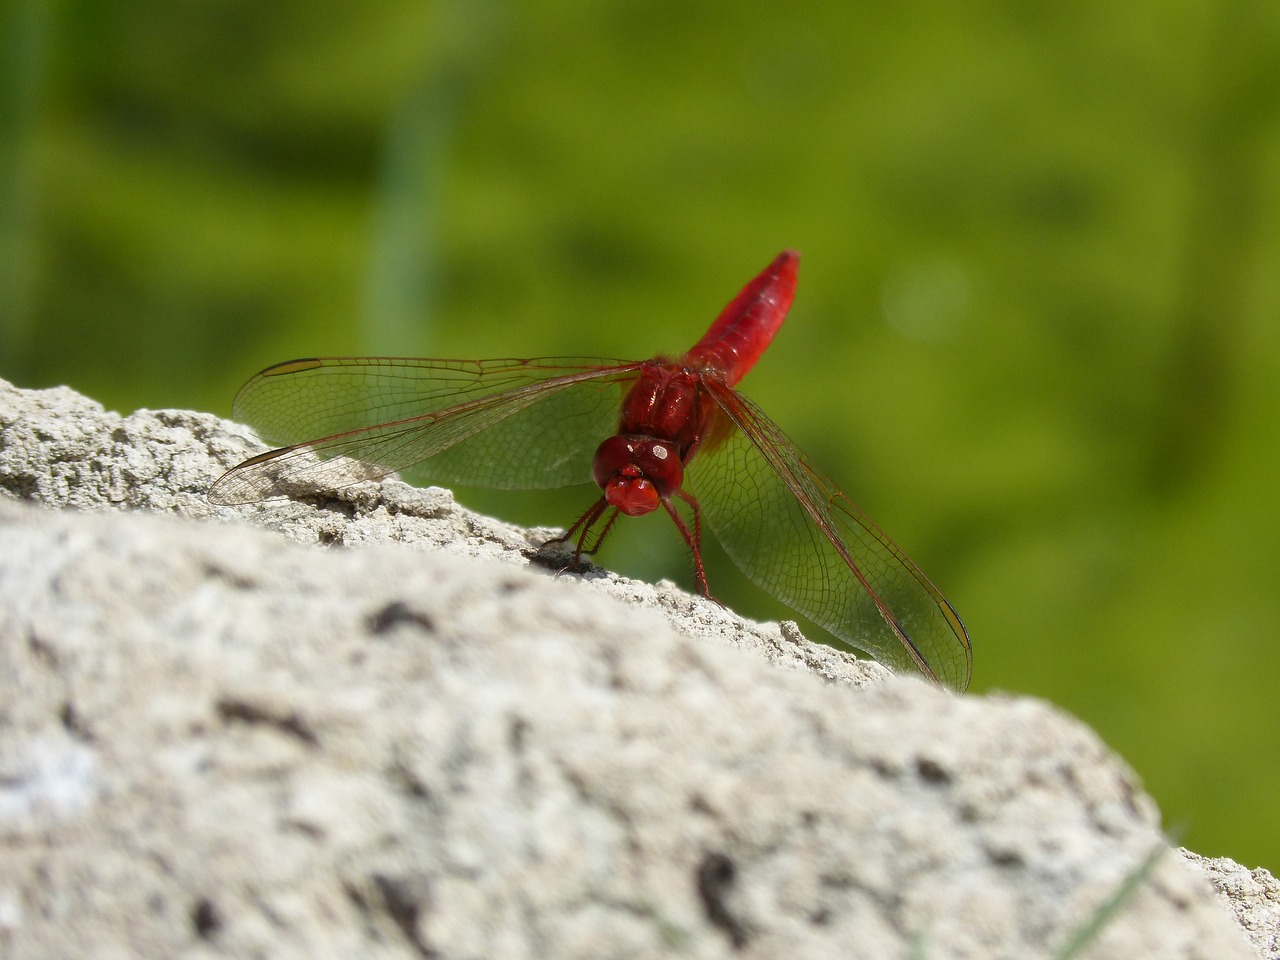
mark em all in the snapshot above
pixel 1252 896
pixel 215 742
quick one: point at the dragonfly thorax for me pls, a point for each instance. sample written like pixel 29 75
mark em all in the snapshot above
pixel 637 473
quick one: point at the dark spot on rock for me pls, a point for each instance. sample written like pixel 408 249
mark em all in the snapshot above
pixel 73 722
pixel 715 877
pixel 205 918
pixel 405 900
pixel 1005 858
pixel 517 734
pixel 239 581
pixel 398 613
pixel 43 650
pixel 242 711
pixel 699 804
pixel 409 781
pixel 932 772
pixel 884 769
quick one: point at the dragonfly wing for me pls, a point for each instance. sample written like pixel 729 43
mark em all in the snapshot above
pixel 797 536
pixel 299 400
pixel 505 423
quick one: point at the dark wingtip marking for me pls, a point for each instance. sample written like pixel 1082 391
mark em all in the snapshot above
pixel 291 366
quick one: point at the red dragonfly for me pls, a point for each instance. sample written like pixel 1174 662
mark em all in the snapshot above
pixel 663 431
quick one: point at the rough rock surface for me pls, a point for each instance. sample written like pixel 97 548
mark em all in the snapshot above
pixel 218 743
pixel 1252 896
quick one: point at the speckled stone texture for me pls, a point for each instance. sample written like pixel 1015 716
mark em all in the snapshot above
pixel 217 741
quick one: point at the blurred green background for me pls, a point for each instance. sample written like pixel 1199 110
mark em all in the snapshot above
pixel 1035 335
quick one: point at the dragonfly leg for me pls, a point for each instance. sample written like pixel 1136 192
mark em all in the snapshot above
pixel 692 538
pixel 581 531
pixel 581 525
pixel 608 525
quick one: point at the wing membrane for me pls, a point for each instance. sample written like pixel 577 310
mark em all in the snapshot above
pixel 498 423
pixel 797 536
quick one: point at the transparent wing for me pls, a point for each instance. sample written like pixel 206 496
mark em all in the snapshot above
pixel 496 423
pixel 798 537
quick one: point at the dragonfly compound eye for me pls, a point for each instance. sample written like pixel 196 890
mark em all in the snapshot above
pixel 660 464
pixel 636 474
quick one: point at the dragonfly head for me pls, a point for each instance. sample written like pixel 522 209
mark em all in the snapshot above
pixel 637 473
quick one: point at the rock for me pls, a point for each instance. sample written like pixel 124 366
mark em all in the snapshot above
pixel 1252 896
pixel 215 742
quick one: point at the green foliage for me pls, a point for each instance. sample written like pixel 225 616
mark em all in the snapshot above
pixel 1035 336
